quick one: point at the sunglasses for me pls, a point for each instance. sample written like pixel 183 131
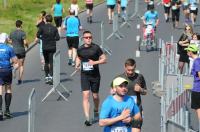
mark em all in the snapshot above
pixel 88 37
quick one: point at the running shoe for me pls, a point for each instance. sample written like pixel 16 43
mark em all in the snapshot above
pixel 88 123
pixel 19 82
pixel 50 81
pixel 46 80
pixel 69 62
pixel 73 63
pixel 7 114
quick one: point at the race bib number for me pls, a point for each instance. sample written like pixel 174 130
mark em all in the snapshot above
pixel 193 7
pixel 185 4
pixel 174 7
pixel 119 129
pixel 167 5
pixel 87 66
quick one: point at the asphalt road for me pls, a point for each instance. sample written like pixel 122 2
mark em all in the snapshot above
pixel 60 116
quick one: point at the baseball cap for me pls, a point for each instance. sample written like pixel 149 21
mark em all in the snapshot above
pixel 118 81
pixel 192 47
pixel 3 37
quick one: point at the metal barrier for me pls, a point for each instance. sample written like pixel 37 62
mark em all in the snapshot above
pixel 31 111
pixel 116 31
pixel 136 11
pixel 103 46
pixel 56 78
pixel 174 90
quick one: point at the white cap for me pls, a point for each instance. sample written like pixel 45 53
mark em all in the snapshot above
pixel 3 37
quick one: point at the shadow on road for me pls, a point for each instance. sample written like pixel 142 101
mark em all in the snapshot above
pixel 17 114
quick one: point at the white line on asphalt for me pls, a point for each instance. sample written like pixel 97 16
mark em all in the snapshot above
pixel 137 38
pixel 138 26
pixel 137 53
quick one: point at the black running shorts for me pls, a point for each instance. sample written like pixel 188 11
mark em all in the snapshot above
pixel 89 6
pixel 73 42
pixel 195 100
pixel 21 55
pixel 90 82
pixel 5 76
pixel 58 21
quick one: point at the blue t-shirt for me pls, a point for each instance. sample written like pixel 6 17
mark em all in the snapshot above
pixel 124 3
pixel 194 72
pixel 6 53
pixel 111 2
pixel 58 10
pixel 72 24
pixel 151 17
pixel 112 108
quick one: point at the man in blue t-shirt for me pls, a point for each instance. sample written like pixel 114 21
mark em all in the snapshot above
pixel 7 57
pixel 192 51
pixel 119 110
pixel 72 26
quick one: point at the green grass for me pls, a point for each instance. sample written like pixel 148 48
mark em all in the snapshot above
pixel 28 11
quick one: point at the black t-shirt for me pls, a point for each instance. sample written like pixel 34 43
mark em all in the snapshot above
pixel 92 52
pixel 137 78
pixel 181 49
pixel 49 35
pixel 39 25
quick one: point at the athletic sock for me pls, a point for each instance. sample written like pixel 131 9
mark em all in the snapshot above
pixel 8 97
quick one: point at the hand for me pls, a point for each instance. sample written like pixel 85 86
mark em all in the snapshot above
pixel 125 113
pixel 127 120
pixel 91 62
pixel 77 67
pixel 137 88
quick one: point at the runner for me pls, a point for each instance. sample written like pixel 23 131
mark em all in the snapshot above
pixel 123 5
pixel 18 40
pixel 58 11
pixel 193 6
pixel 175 12
pixel 89 57
pixel 149 3
pixel 49 35
pixel 119 110
pixel 167 6
pixel 39 24
pixel 110 5
pixel 136 87
pixel 183 42
pixel 72 26
pixel 185 6
pixel 74 6
pixel 7 58
pixel 89 7
pixel 195 96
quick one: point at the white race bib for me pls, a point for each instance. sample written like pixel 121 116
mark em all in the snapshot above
pixel 185 3
pixel 87 66
pixel 167 5
pixel 119 129
pixel 193 8
pixel 174 7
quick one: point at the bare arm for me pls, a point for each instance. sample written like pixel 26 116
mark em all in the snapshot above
pixel 78 63
pixel 110 121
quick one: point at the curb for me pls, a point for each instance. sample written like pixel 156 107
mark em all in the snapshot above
pixel 33 44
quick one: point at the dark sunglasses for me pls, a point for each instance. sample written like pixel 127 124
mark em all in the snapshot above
pixel 89 37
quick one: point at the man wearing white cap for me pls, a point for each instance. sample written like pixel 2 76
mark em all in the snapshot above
pixel 6 54
pixel 119 110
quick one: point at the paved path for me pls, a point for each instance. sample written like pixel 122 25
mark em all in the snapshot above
pixel 61 116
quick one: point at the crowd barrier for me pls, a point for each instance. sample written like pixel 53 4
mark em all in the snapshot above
pixel 56 78
pixel 31 111
pixel 174 88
